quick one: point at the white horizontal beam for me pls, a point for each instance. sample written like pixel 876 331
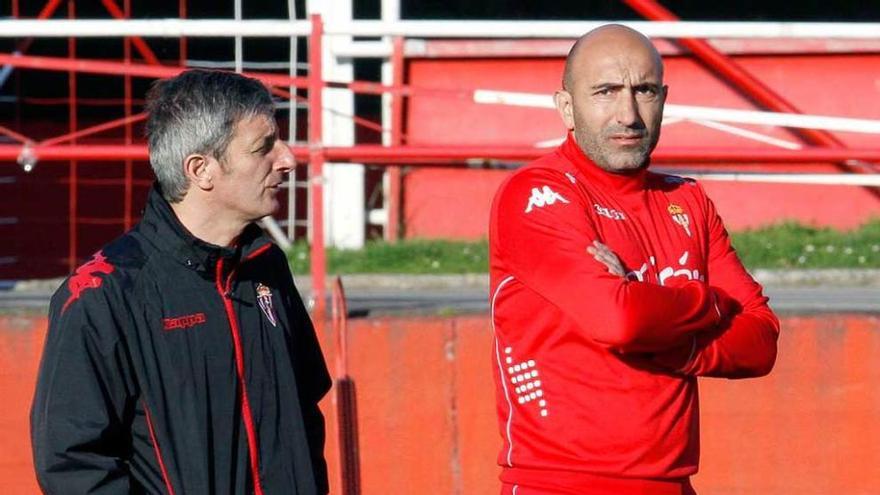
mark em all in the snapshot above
pixel 819 179
pixel 690 112
pixel 220 28
pixel 795 120
pixel 159 28
pixel 573 29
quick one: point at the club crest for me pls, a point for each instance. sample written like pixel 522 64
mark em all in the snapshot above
pixel 680 217
pixel 264 299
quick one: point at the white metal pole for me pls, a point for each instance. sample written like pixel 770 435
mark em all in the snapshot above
pixel 795 120
pixel 219 28
pixel 390 13
pixel 788 178
pixel 344 215
pixel 238 39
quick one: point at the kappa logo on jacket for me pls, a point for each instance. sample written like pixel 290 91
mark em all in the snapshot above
pixel 264 299
pixel 184 322
pixel 86 277
pixel 542 197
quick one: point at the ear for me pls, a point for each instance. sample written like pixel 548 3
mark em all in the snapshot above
pixel 564 106
pixel 197 169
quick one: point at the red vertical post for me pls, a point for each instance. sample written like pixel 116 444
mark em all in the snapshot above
pixel 392 233
pixel 71 108
pixel 128 131
pixel 181 10
pixel 316 168
pixel 16 80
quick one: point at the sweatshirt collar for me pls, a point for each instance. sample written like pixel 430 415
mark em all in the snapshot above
pixel 629 182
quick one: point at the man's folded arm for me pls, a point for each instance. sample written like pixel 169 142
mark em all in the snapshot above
pixel 744 345
pixel 543 233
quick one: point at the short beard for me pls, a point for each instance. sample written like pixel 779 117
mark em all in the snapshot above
pixel 594 147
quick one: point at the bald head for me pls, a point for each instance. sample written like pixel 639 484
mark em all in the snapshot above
pixel 601 42
pixel 613 96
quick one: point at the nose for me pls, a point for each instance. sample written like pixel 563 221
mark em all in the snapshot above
pixel 284 161
pixel 628 110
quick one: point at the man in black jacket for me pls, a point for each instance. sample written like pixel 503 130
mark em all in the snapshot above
pixel 180 358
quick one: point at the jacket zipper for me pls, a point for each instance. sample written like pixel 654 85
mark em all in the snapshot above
pixel 225 291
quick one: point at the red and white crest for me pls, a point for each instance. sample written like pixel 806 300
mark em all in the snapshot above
pixel 264 299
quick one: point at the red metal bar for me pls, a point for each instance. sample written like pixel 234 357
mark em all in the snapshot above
pixel 181 12
pixel 139 42
pixel 369 124
pixel 126 83
pixel 48 9
pixel 91 152
pixel 98 102
pixel 316 167
pixel 154 71
pixel 434 155
pixel 733 72
pixel 392 228
pixel 73 173
pixel 14 135
pixel 114 182
pixel 46 12
pixel 88 131
pixel 339 310
pixel 135 70
pixel 665 155
pixel 345 398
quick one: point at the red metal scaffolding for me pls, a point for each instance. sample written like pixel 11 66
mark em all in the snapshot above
pixel 825 147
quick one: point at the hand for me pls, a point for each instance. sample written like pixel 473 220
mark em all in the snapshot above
pixel 603 254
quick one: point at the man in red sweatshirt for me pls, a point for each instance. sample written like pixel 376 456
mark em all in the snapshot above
pixel 612 289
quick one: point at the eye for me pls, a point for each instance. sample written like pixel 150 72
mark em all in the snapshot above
pixel 646 91
pixel 267 146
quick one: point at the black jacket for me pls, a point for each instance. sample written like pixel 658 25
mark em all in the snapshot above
pixel 167 359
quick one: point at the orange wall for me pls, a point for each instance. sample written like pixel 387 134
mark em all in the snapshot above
pixel 21 344
pixel 426 409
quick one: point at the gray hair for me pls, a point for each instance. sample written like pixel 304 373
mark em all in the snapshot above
pixel 196 112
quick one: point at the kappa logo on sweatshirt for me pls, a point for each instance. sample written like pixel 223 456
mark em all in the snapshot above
pixel 542 197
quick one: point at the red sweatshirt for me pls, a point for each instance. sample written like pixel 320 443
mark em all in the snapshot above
pixel 596 373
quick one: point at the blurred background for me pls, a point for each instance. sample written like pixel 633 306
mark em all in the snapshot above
pixel 404 117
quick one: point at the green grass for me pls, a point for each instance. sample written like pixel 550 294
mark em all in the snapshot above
pixel 413 256
pixel 787 245
pixel 790 245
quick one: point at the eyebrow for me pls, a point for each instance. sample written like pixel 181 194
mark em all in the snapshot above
pixel 606 85
pixel 266 139
pixel 610 85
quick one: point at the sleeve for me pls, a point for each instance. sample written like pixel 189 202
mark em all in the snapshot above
pixel 82 406
pixel 313 380
pixel 745 344
pixel 542 230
